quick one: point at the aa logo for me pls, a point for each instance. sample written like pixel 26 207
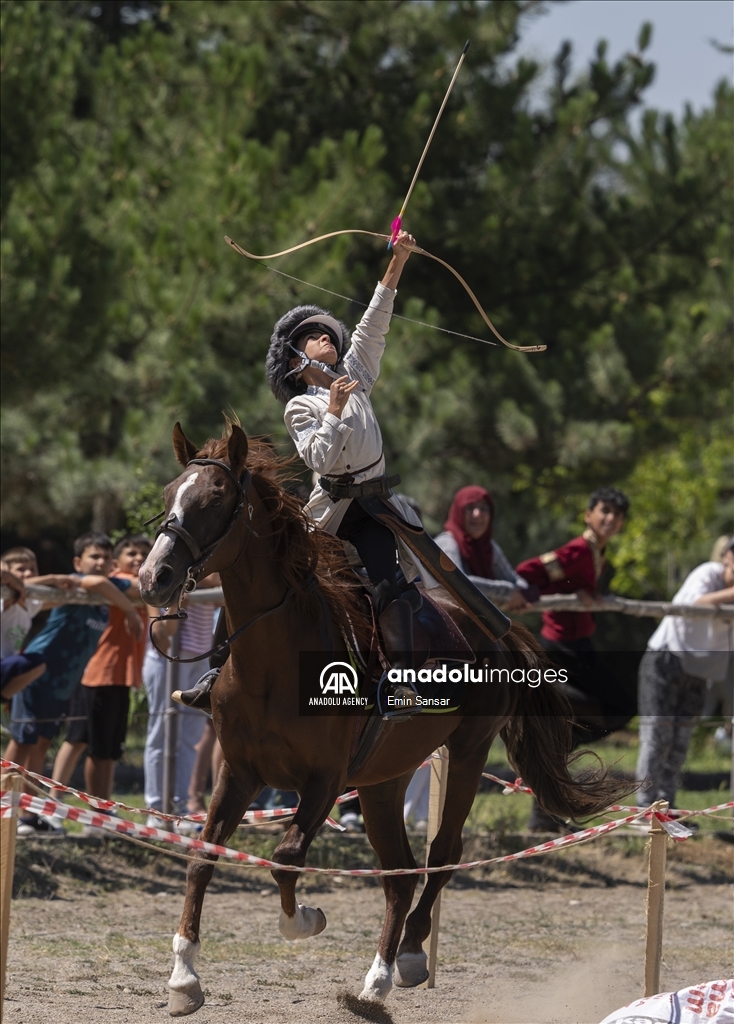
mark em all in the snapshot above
pixel 338 677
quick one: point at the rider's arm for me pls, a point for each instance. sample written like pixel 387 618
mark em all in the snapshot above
pixel 362 361
pixel 319 441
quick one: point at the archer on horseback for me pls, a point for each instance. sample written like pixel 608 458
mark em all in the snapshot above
pixel 325 384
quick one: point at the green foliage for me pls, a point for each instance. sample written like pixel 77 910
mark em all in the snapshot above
pixel 128 152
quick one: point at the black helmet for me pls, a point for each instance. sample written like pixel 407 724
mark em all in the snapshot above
pixel 283 383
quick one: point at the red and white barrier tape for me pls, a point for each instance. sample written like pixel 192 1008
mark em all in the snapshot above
pixel 250 817
pixel 10 800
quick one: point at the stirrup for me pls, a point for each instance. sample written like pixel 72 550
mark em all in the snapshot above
pixel 199 696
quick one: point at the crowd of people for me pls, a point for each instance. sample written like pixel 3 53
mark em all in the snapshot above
pixel 78 670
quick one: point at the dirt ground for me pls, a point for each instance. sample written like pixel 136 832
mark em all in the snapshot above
pixel 555 940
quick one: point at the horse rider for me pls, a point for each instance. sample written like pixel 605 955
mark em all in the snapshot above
pixel 325 384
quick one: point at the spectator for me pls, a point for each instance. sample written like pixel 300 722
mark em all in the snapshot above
pixel 467 540
pixel 600 703
pixel 66 643
pixel 100 705
pixel 208 759
pixel 195 637
pixel 681 655
pixel 18 670
pixel 415 808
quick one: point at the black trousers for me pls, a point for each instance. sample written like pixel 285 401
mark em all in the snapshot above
pixel 376 546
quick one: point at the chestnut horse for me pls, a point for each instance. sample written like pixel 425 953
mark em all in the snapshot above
pixel 228 513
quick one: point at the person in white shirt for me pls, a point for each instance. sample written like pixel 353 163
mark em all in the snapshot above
pixel 681 655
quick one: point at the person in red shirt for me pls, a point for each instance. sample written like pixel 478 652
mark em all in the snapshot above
pixel 600 704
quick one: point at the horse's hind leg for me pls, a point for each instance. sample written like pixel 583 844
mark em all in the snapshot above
pixel 297 921
pixel 463 778
pixel 382 809
pixel 232 795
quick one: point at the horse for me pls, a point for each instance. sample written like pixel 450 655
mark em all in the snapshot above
pixel 288 589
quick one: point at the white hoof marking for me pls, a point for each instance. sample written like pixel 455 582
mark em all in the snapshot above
pixel 306 921
pixel 411 969
pixel 185 991
pixel 378 982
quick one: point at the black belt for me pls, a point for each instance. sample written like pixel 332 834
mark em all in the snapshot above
pixel 377 488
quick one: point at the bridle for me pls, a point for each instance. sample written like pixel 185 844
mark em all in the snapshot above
pixel 201 556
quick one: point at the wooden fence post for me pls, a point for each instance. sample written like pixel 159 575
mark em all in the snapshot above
pixel 10 781
pixel 436 799
pixel 655 898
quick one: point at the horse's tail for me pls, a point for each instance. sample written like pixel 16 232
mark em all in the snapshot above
pixel 538 742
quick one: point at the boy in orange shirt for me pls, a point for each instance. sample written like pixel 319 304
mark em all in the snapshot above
pixel 101 703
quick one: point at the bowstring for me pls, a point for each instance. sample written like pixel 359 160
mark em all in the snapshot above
pixel 413 248
pixel 365 305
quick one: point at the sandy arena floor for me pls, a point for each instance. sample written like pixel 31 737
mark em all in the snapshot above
pixel 549 942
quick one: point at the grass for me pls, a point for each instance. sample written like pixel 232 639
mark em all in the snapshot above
pixel 492 812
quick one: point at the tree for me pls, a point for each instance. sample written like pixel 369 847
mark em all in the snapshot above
pixel 271 122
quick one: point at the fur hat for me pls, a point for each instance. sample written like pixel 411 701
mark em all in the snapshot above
pixel 280 352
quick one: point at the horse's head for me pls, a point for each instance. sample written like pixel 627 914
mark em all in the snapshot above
pixel 202 505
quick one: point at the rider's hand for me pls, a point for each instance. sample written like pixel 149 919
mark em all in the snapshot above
pixel 133 624
pixel 339 393
pixel 401 246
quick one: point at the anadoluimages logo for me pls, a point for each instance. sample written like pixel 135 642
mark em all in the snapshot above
pixel 338 677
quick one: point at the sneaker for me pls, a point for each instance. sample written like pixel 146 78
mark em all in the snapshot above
pixel 40 827
pixel 188 828
pixel 352 822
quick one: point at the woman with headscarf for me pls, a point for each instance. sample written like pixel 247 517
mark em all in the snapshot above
pixel 467 540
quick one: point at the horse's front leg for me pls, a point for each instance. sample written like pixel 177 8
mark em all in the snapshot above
pixel 297 921
pixel 231 798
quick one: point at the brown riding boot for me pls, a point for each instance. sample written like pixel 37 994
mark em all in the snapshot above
pixel 396 624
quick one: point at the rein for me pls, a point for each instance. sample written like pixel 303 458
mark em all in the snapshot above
pixel 225 643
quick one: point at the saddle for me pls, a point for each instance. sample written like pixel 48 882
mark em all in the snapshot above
pixel 436 640
pixel 436 637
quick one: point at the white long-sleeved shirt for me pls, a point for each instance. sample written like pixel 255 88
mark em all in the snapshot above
pixel 702 644
pixel 331 446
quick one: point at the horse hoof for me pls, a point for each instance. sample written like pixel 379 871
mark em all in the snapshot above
pixel 183 1002
pixel 378 982
pixel 411 969
pixel 306 921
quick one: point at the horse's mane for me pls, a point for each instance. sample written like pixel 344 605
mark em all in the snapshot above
pixel 301 550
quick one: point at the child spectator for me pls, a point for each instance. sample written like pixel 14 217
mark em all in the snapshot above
pixel 681 655
pixel 18 670
pixel 99 707
pixel 195 637
pixel 66 643
pixel 600 704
